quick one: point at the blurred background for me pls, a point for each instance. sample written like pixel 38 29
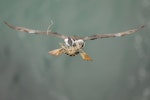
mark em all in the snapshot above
pixel 120 69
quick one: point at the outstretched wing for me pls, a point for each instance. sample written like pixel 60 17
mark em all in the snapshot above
pixel 97 36
pixel 23 29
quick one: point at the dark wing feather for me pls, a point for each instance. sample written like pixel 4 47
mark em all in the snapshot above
pixel 97 36
pixel 23 29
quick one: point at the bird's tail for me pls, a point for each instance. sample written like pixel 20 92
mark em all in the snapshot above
pixel 56 52
pixel 85 56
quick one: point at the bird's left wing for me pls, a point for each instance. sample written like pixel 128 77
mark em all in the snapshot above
pixel 97 36
pixel 27 30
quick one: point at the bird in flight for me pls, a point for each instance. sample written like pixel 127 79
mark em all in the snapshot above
pixel 73 45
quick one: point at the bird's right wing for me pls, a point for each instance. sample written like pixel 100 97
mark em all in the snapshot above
pixel 31 31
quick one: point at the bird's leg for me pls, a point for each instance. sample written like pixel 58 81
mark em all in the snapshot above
pixel 84 55
pixel 56 52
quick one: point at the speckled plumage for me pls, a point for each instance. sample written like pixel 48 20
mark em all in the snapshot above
pixel 73 45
